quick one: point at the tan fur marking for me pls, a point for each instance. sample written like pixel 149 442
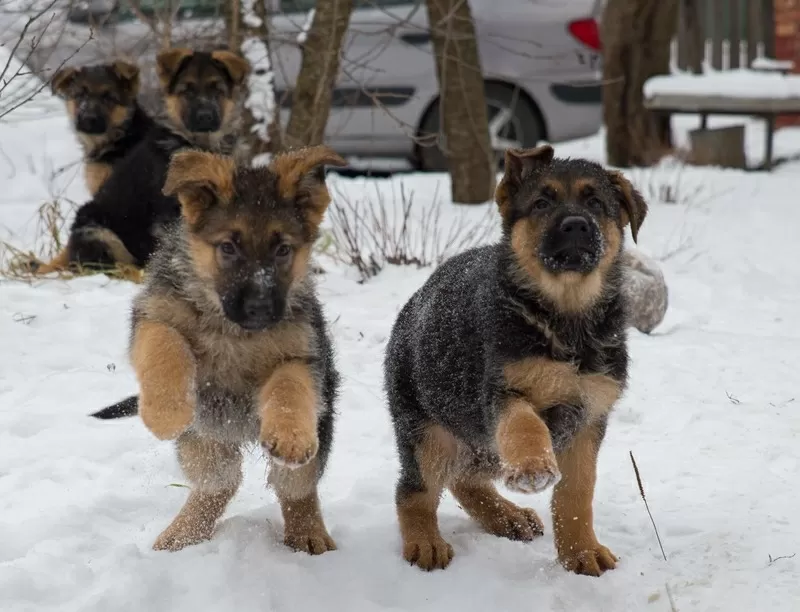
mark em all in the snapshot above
pixel 570 292
pixel 545 383
pixel 573 522
pixel 59 263
pixel 293 166
pixel 437 456
pixel 167 63
pixel 523 441
pixel 582 185
pixel 497 515
pixel 288 405
pixel 300 262
pixel 174 108
pixel 165 369
pixel 238 68
pixel 518 162
pixel 116 248
pixel 192 173
pixel 128 71
pixel 96 173
pixel 61 79
pixel 304 527
pixel 423 544
pixel 634 208
pixel 118 115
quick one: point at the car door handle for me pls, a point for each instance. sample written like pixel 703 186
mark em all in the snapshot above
pixel 421 38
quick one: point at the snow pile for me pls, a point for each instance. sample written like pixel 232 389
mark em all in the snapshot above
pixel 740 83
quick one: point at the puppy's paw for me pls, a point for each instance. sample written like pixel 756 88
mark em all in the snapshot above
pixel 314 542
pixel 516 523
pixel 166 418
pixel 428 553
pixel 287 445
pixel 533 475
pixel 181 534
pixel 592 560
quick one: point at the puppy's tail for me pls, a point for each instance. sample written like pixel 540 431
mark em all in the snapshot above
pixel 126 408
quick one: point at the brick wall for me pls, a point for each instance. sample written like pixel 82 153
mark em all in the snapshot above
pixel 787 41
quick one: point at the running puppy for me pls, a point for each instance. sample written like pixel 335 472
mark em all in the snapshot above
pixel 506 363
pixel 101 102
pixel 229 342
pixel 123 222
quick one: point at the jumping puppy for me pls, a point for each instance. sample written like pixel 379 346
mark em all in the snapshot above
pixel 109 123
pixel 506 363
pixel 229 342
pixel 123 222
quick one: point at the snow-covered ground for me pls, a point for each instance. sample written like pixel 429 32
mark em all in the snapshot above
pixel 711 416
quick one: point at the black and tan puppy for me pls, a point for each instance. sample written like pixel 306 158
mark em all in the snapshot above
pixel 229 341
pixel 506 363
pixel 122 223
pixel 101 102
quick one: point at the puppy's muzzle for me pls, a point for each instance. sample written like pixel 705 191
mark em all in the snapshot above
pixel 573 244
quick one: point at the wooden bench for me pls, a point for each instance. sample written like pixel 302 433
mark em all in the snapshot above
pixel 756 93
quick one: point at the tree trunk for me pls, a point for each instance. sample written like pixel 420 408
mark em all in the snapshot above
pixel 692 28
pixel 462 102
pixel 311 98
pixel 261 127
pixel 636 46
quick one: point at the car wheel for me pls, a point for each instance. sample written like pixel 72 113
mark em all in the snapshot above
pixel 513 122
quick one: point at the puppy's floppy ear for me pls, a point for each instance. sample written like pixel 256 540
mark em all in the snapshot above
pixel 62 79
pixel 634 208
pixel 128 73
pixel 169 62
pixel 200 180
pixel 301 177
pixel 519 163
pixel 235 65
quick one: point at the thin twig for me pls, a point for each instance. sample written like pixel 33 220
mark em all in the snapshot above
pixel 672 606
pixel 774 559
pixel 647 507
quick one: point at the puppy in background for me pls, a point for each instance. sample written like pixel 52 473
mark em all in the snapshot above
pixel 507 362
pixel 229 341
pixel 101 103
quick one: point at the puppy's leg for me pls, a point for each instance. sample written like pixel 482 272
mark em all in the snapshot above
pixel 165 368
pixel 59 263
pixel 426 467
pixel 480 499
pixel 576 543
pixel 525 448
pixel 304 527
pixel 289 402
pixel 215 472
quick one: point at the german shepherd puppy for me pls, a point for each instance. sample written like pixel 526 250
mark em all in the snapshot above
pixel 122 223
pixel 506 363
pixel 229 342
pixel 101 103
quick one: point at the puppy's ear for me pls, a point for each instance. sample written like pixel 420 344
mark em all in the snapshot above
pixel 235 65
pixel 634 208
pixel 301 177
pixel 169 62
pixel 128 73
pixel 62 80
pixel 519 163
pixel 200 180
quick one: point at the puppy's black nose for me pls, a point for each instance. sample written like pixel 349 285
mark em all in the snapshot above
pixel 205 119
pixel 91 123
pixel 257 307
pixel 574 225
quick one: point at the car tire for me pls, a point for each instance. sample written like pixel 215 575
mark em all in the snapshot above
pixel 521 126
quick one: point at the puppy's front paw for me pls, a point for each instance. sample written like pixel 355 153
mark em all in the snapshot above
pixel 533 475
pixel 288 445
pixel 166 418
pixel 591 560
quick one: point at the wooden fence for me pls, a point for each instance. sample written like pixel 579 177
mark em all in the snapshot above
pixel 723 34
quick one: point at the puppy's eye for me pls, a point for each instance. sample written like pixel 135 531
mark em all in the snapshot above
pixel 541 204
pixel 227 248
pixel 595 204
pixel 283 251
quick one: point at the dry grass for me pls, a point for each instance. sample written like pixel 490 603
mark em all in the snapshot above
pixel 368 234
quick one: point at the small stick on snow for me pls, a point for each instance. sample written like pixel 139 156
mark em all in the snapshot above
pixel 672 606
pixel 774 559
pixel 647 507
